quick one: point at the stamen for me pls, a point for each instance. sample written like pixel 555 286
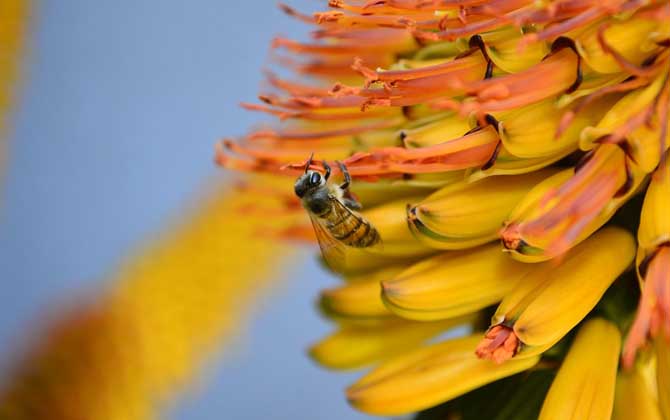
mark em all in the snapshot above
pixel 323 134
pixel 294 13
pixel 499 344
pixel 470 63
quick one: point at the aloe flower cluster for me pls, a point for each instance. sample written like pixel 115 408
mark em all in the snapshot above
pixel 513 155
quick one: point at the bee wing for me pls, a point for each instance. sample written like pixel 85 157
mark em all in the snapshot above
pixel 332 250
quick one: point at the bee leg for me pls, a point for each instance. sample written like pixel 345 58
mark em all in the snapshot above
pixel 327 168
pixel 347 177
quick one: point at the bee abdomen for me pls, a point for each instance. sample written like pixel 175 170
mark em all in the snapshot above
pixel 361 235
pixel 369 239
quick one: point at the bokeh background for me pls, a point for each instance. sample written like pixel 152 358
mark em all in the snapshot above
pixel 111 140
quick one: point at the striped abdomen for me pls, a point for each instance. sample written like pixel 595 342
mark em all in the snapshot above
pixel 349 227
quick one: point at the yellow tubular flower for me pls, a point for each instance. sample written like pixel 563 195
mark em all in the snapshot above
pixel 468 214
pixel 546 231
pixel 633 398
pixel 584 386
pixel 358 300
pixel 452 284
pixel 427 376
pixel 398 240
pixel 653 265
pixel 551 299
pixel 168 309
pixel 663 375
pixel 501 148
pixel 356 346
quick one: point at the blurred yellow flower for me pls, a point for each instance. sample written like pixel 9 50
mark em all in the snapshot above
pixel 13 23
pixel 167 310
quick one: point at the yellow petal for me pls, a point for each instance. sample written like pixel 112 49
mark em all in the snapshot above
pixel 434 130
pixel 529 132
pixel 359 299
pixel 355 346
pixel 361 263
pixel 622 111
pixel 552 298
pixel 662 347
pixel 591 82
pixel 427 377
pixel 502 47
pixel 453 283
pixel 631 38
pixel 652 264
pixel 574 287
pixel 585 383
pixel 644 146
pixel 633 399
pixel 508 164
pixel 654 220
pixel 391 222
pixel 469 213
pixel 376 193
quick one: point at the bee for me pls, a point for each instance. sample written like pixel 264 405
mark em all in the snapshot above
pixel 332 210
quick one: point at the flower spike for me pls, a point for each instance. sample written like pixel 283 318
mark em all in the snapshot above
pixel 465 121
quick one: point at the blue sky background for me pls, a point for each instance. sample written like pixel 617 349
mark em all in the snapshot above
pixel 120 107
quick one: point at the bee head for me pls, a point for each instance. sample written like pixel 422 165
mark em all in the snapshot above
pixel 311 180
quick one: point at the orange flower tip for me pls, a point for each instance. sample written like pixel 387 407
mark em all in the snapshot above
pixel 510 236
pixel 653 312
pixel 314 165
pixel 388 289
pixel 499 344
pixel 278 42
pixel 369 74
pixel 328 17
pixel 220 156
pixel 352 393
pixel 288 10
pixel 266 99
pixel 340 89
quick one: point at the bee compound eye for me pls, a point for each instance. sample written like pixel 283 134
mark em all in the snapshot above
pixel 315 178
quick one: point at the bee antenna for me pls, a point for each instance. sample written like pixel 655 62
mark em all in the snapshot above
pixel 309 162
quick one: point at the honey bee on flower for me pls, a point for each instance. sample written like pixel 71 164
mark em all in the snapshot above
pixel 332 211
